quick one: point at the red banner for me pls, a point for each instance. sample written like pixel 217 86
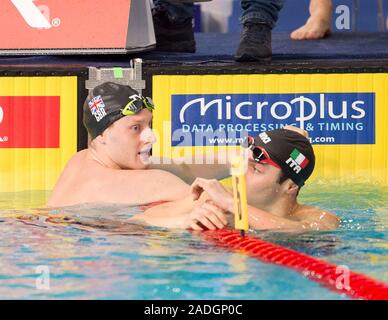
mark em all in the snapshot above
pixel 40 24
pixel 29 121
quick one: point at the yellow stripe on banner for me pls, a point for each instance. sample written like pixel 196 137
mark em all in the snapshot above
pixel 38 168
pixel 357 161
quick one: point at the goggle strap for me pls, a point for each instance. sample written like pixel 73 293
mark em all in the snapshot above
pixel 264 157
pixel 128 111
pixel 148 103
pixel 145 104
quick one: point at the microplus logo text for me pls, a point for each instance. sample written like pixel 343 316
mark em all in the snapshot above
pixel 329 118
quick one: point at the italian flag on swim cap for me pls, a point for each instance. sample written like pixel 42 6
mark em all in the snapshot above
pixel 299 158
pixel 283 145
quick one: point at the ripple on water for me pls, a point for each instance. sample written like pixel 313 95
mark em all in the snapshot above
pixel 101 256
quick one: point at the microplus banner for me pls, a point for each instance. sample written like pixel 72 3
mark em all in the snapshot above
pixel 224 119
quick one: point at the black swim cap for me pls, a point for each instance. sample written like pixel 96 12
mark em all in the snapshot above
pixel 104 105
pixel 291 151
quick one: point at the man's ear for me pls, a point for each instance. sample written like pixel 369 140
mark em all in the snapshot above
pixel 291 188
pixel 101 138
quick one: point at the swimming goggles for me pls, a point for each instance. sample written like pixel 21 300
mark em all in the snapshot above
pixel 258 153
pixel 136 104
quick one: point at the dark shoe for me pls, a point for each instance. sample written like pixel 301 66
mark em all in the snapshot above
pixel 173 36
pixel 255 43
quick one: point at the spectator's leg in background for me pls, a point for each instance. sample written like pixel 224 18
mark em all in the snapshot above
pixel 174 26
pixel 318 24
pixel 258 19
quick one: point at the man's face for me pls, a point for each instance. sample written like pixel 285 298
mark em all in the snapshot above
pixel 262 183
pixel 128 141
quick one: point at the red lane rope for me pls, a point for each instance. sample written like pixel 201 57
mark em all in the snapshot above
pixel 359 286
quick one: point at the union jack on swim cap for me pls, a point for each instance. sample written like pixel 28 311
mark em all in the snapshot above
pixel 103 106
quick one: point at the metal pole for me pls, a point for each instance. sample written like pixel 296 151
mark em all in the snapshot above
pixel 380 15
pixel 355 15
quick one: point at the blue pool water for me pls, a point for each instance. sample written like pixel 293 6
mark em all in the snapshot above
pixel 101 256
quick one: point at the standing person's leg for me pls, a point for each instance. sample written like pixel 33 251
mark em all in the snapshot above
pixel 258 19
pixel 174 26
pixel 318 24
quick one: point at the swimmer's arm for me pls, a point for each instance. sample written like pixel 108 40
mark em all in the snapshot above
pixel 186 213
pixel 317 219
pixel 185 168
pixel 304 217
pixel 136 187
pixel 262 220
pixel 171 214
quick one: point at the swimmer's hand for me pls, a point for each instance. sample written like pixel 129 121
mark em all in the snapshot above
pixel 221 196
pixel 206 217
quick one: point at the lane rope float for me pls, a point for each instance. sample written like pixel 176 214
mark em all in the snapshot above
pixel 359 286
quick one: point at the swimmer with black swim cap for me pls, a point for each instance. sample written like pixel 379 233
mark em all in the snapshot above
pixel 286 149
pixel 280 162
pixel 109 104
pixel 115 166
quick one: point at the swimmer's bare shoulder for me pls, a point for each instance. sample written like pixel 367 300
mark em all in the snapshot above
pixel 68 189
pixel 147 186
pixel 85 180
pixel 315 218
